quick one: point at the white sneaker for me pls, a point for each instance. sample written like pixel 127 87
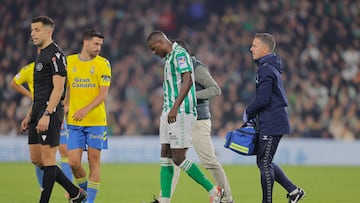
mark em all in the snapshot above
pixel 215 197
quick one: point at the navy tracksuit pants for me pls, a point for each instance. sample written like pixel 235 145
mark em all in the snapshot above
pixel 269 171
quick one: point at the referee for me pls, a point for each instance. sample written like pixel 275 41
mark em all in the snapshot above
pixel 47 112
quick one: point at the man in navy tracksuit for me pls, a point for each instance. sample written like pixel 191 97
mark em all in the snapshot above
pixel 269 109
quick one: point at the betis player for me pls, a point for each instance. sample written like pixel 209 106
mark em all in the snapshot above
pixel 178 116
pixel 26 76
pixel 88 82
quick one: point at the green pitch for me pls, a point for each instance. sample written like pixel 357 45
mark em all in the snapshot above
pixel 137 183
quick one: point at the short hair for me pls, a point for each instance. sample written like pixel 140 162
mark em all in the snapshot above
pixel 184 45
pixel 154 35
pixel 90 33
pixel 45 20
pixel 267 39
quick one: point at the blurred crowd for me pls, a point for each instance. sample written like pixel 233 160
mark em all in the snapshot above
pixel 319 42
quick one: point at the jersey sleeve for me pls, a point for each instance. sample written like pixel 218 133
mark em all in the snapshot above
pixel 58 63
pixel 25 74
pixel 183 61
pixel 105 79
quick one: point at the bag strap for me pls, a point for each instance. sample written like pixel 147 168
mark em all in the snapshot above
pixel 244 124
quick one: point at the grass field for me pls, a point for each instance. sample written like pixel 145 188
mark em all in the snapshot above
pixel 137 183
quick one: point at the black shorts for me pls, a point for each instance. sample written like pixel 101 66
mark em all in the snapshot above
pixel 52 135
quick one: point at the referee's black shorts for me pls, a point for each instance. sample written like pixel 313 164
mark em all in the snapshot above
pixel 52 135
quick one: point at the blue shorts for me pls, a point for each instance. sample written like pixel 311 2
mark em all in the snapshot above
pixel 64 133
pixel 87 136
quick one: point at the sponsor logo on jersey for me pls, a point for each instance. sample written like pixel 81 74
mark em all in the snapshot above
pixel 181 60
pixel 57 54
pixel 82 83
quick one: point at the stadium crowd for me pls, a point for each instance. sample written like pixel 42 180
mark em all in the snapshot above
pixel 319 42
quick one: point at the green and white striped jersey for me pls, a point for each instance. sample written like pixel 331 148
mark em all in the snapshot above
pixel 176 63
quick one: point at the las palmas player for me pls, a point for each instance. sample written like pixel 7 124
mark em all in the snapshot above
pixel 88 82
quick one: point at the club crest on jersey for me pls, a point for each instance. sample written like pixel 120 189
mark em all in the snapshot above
pixel 39 67
pixel 92 69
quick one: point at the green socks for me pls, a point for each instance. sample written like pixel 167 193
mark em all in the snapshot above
pixel 166 174
pixel 195 173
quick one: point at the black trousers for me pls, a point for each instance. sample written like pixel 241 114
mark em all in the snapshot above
pixel 270 172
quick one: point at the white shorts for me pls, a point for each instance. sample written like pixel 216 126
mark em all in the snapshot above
pixel 177 134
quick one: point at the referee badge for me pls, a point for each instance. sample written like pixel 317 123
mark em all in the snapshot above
pixel 39 67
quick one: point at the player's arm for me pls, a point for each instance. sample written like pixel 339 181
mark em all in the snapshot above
pixel 66 99
pixel 185 87
pixel 58 89
pixel 204 78
pixel 80 114
pixel 26 120
pixel 23 76
pixel 58 80
pixel 21 89
pixel 55 96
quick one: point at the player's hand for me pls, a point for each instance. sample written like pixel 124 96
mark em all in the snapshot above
pixel 172 116
pixel 250 123
pixel 25 123
pixel 43 124
pixel 80 114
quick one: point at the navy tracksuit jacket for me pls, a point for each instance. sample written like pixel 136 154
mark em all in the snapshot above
pixel 269 106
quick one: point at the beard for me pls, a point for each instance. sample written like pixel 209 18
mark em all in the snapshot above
pixel 93 54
